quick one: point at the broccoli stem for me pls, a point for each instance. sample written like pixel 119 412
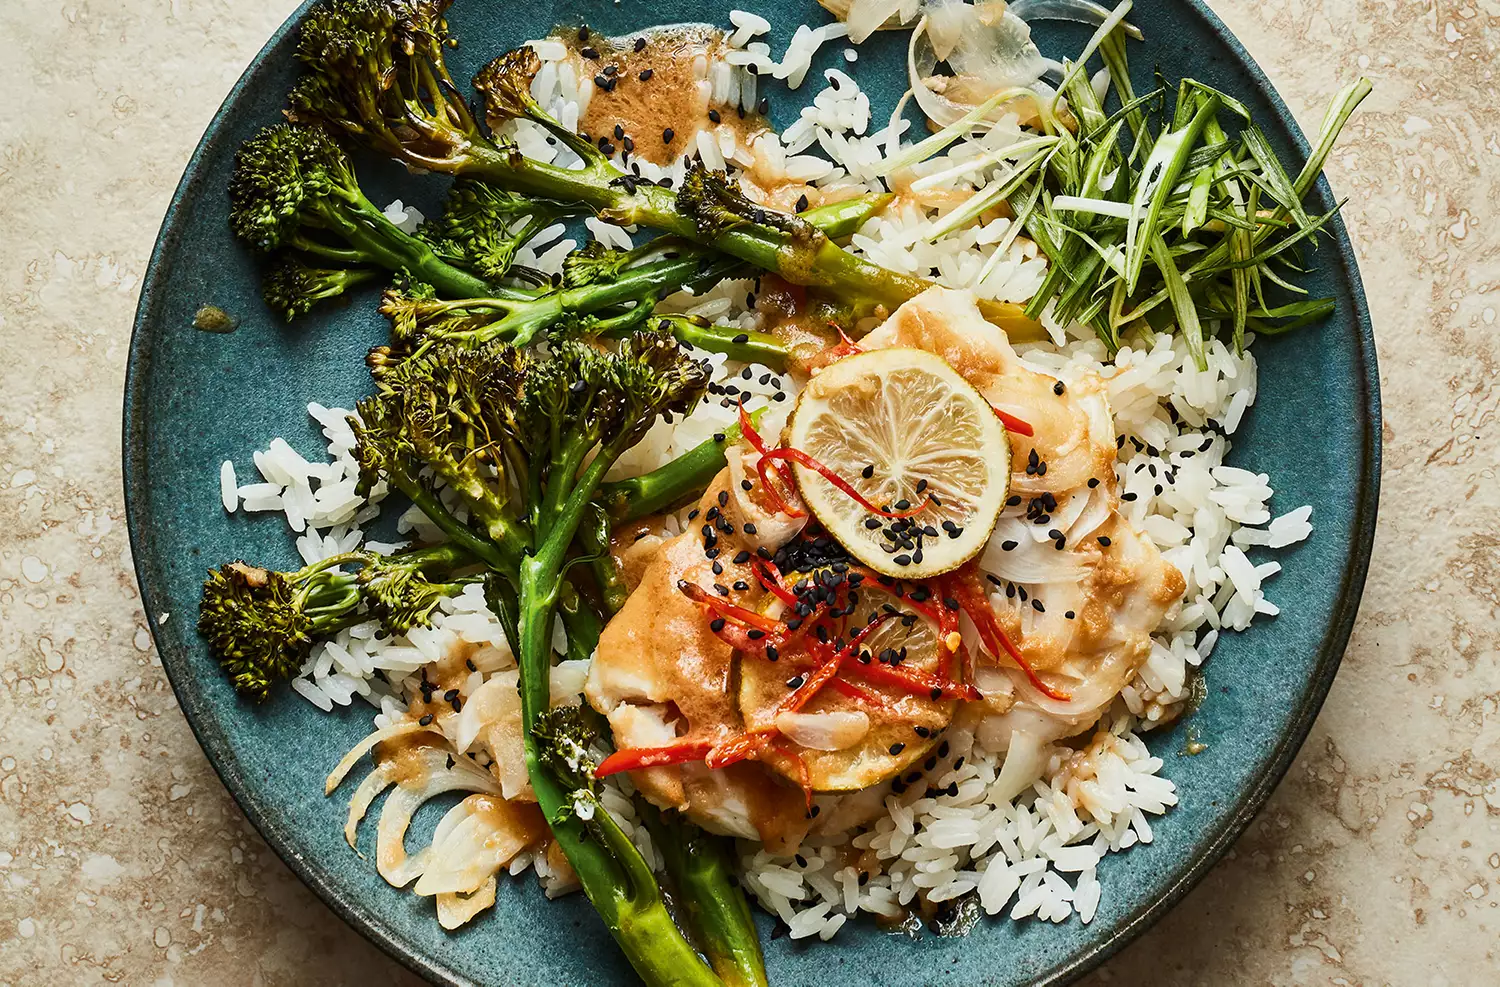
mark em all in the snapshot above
pixel 615 878
pixel 525 315
pixel 737 344
pixel 499 556
pixel 685 476
pixel 376 240
pixel 813 261
pixel 700 866
pixel 716 910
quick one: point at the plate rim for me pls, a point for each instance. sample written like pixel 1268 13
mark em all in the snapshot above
pixel 368 923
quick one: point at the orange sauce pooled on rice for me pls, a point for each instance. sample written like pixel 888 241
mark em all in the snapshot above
pixel 662 112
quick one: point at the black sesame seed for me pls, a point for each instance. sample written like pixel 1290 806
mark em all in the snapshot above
pixel 646 74
pixel 1059 387
pixel 667 135
pixel 588 52
pixel 1070 615
pixel 716 625
pixel 1127 496
pixel 1104 540
pixel 1008 546
pixel 795 682
pixel 1093 482
pixel 763 106
pixel 426 720
pixel 450 695
pixel 771 652
pixel 583 34
pixel 640 44
pixel 739 338
pixel 902 559
pixel 714 115
pixel 749 528
pixel 868 471
pixel 897 749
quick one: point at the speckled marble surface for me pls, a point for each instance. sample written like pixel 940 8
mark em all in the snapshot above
pixel 124 860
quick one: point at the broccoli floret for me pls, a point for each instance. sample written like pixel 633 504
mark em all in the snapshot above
pixel 294 187
pixel 481 227
pixel 375 69
pixel 261 624
pixel 291 287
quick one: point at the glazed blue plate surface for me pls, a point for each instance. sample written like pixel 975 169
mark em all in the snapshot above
pixel 194 399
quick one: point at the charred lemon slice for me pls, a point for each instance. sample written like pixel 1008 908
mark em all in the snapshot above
pixel 864 727
pixel 904 429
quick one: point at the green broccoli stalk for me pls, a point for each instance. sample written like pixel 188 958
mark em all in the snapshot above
pixel 604 292
pixel 699 865
pixel 686 476
pixel 375 70
pixel 261 624
pixel 701 868
pixel 633 907
pixel 294 187
pixel 511 432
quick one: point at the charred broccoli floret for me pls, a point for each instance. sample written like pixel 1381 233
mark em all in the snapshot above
pixel 291 287
pixel 294 188
pixel 262 624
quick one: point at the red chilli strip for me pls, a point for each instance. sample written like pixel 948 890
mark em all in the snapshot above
pixel 747 429
pixel 916 682
pixel 804 773
pixel 726 609
pixel 803 459
pixel 1012 422
pixel 974 602
pixel 737 749
pixel 774 582
pixel 830 668
pixel 636 758
pixel 845 347
pixel 763 470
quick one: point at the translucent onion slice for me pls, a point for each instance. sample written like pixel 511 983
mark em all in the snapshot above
pixel 1077 11
pixel 986 59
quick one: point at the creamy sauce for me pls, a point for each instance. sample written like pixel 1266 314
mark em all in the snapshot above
pixel 406 758
pixel 674 95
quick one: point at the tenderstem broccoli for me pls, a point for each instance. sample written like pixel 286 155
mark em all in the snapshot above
pixel 604 292
pixel 261 624
pixel 375 70
pixel 294 188
pixel 511 432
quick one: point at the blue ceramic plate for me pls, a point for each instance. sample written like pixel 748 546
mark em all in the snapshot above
pixel 194 399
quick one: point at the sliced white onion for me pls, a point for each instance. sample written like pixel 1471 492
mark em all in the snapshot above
pixel 865 17
pixel 484 834
pixel 832 731
pixel 454 910
pixel 1078 11
pixel 962 93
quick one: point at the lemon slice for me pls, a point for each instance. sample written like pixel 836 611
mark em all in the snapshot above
pixel 899 724
pixel 901 425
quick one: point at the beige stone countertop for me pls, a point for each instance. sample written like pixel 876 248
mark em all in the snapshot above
pixel 124 860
